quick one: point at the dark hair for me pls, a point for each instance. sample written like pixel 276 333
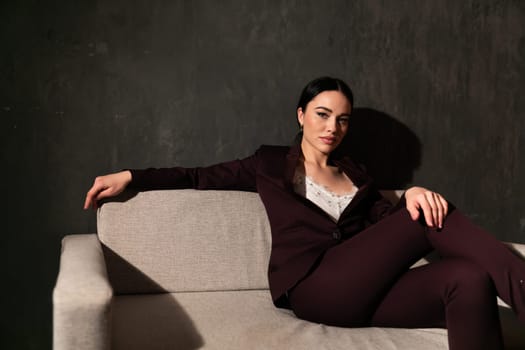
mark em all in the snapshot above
pixel 316 86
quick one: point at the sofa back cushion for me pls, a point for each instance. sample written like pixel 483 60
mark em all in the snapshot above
pixel 185 240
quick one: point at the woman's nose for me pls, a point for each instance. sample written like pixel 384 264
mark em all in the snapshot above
pixel 331 125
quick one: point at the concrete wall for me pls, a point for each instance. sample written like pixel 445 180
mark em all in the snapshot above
pixel 89 87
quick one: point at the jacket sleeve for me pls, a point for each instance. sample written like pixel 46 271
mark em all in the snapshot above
pixel 238 174
pixel 377 206
pixel 382 207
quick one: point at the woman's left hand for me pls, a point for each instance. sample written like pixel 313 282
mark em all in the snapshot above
pixel 433 205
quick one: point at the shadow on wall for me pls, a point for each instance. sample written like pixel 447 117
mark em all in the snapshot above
pixel 390 151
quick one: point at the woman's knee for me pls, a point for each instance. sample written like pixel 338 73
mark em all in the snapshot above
pixel 467 279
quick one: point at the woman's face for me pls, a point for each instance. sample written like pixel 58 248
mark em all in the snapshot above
pixel 325 121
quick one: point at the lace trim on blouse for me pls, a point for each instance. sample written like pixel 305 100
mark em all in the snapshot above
pixel 332 203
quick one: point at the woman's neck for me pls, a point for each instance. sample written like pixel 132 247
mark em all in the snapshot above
pixel 313 156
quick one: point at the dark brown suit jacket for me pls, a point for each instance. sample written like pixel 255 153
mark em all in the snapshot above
pixel 301 231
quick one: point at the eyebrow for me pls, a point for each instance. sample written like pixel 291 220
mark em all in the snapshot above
pixel 325 108
pixel 330 111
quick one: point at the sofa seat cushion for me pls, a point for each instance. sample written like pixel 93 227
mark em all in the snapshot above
pixel 243 320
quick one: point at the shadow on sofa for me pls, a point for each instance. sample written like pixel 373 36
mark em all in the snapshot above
pixel 156 320
pixel 89 313
pixel 149 318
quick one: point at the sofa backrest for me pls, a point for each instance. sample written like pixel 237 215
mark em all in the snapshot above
pixel 185 240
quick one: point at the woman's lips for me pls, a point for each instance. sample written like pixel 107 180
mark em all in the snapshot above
pixel 328 140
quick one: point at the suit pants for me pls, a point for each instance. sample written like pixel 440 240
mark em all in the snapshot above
pixel 367 281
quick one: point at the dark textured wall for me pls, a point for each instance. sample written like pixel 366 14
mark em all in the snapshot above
pixel 89 87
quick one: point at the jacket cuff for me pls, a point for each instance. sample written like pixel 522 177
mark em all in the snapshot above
pixel 136 176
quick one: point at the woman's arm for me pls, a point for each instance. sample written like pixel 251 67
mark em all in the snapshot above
pixel 416 199
pixel 233 175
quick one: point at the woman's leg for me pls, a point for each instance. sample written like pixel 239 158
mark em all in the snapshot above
pixel 451 293
pixel 461 238
pixel 351 279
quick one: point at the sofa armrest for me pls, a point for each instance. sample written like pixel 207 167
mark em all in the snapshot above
pixel 82 296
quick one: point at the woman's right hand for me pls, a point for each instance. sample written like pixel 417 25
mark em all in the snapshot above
pixel 106 186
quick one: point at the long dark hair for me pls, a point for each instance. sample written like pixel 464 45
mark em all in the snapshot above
pixel 315 87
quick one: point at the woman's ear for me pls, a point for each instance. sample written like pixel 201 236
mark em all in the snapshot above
pixel 300 116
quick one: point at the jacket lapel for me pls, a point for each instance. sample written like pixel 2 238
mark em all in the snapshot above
pixel 351 169
pixel 358 177
pixel 292 159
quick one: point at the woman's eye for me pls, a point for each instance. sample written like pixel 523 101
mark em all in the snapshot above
pixel 322 115
pixel 343 121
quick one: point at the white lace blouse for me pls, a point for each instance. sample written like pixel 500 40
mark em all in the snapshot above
pixel 332 203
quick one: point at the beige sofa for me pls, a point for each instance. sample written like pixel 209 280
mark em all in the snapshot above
pixel 186 269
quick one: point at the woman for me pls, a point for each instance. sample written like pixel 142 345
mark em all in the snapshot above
pixel 341 254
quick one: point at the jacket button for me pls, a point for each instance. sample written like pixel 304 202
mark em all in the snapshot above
pixel 336 235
